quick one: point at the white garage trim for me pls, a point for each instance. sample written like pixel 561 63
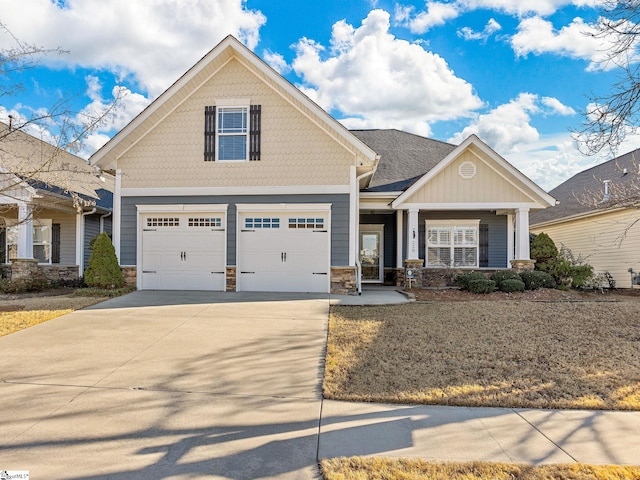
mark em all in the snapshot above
pixel 144 211
pixel 283 207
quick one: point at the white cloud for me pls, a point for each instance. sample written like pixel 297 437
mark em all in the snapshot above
pixel 506 127
pixel 489 29
pixel 556 106
pixel 276 61
pixel 154 41
pixel 436 14
pixel 377 80
pixel 537 35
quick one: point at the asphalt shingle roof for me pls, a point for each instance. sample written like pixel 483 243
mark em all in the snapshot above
pixel 404 157
pixel 589 184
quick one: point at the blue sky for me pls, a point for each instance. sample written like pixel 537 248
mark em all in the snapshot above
pixel 515 72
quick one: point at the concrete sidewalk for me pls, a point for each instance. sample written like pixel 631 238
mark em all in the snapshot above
pixel 491 434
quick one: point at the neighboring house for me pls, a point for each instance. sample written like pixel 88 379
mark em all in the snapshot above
pixel 594 219
pixel 233 179
pixel 52 204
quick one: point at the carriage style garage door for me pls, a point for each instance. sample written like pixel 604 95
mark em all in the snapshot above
pixel 183 251
pixel 284 250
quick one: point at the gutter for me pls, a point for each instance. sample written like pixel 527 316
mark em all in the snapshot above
pixel 102 217
pixel 80 241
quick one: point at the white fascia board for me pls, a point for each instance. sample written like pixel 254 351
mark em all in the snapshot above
pixel 198 191
pixel 182 208
pixel 242 52
pixel 366 205
pixel 468 206
pixel 283 207
pixel 473 139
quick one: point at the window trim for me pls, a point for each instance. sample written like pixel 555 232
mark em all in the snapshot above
pixel 38 223
pixel 220 134
pixel 451 225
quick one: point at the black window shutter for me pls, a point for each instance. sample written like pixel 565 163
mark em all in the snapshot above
pixel 254 131
pixel 55 243
pixel 209 134
pixel 484 245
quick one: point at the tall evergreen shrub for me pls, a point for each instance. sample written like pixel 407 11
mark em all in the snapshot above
pixel 103 270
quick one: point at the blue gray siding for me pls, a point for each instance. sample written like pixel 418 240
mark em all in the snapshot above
pixel 497 232
pixel 339 220
pixel 91 230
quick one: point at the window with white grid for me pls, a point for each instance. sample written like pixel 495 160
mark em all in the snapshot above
pixel 452 243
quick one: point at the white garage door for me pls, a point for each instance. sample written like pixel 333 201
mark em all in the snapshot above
pixel 284 251
pixel 183 251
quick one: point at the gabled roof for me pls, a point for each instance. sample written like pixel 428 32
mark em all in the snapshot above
pixel 43 166
pixel 404 157
pixel 228 49
pixel 525 184
pixel 581 194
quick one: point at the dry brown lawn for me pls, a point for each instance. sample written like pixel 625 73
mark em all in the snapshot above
pixel 359 468
pixel 22 311
pixel 583 354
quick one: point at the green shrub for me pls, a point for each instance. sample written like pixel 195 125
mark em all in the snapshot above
pixel 103 270
pixel 462 280
pixel 511 285
pixel 482 286
pixel 500 276
pixel 544 252
pixel 535 279
pixel 24 285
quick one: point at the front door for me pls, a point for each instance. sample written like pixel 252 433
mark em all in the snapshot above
pixel 371 253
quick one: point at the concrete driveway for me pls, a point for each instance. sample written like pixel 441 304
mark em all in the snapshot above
pixel 167 385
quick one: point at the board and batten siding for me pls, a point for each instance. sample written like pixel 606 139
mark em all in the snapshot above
pixel 295 151
pixel 488 185
pixel 339 220
pixel 602 241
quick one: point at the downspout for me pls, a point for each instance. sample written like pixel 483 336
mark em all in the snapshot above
pixel 102 217
pixel 80 243
pixel 357 236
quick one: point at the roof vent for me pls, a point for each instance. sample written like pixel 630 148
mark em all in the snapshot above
pixel 467 170
pixel 606 190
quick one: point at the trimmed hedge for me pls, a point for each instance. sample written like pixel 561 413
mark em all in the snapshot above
pixel 462 280
pixel 535 279
pixel 482 286
pixel 512 285
pixel 103 271
pixel 500 276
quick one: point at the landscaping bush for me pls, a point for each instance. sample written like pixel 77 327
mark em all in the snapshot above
pixel 462 280
pixel 103 270
pixel 24 285
pixel 500 276
pixel 544 252
pixel 482 286
pixel 511 285
pixel 535 279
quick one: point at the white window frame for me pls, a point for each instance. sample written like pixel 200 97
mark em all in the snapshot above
pixel 43 242
pixel 220 133
pixel 453 227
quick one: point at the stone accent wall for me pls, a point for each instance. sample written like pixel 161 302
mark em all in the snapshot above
pixel 523 265
pixel 231 279
pixel 25 269
pixel 65 274
pixel 130 276
pixel 343 280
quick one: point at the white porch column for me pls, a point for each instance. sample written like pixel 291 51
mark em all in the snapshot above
pixel 25 231
pixel 115 227
pixel 399 236
pixel 522 234
pixel 510 240
pixel 412 235
pixel 354 216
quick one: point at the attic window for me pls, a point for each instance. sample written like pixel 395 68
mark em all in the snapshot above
pixel 467 170
pixel 232 133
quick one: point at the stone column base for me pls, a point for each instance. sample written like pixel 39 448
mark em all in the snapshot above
pixel 522 265
pixel 25 269
pixel 130 276
pixel 231 279
pixel 343 280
